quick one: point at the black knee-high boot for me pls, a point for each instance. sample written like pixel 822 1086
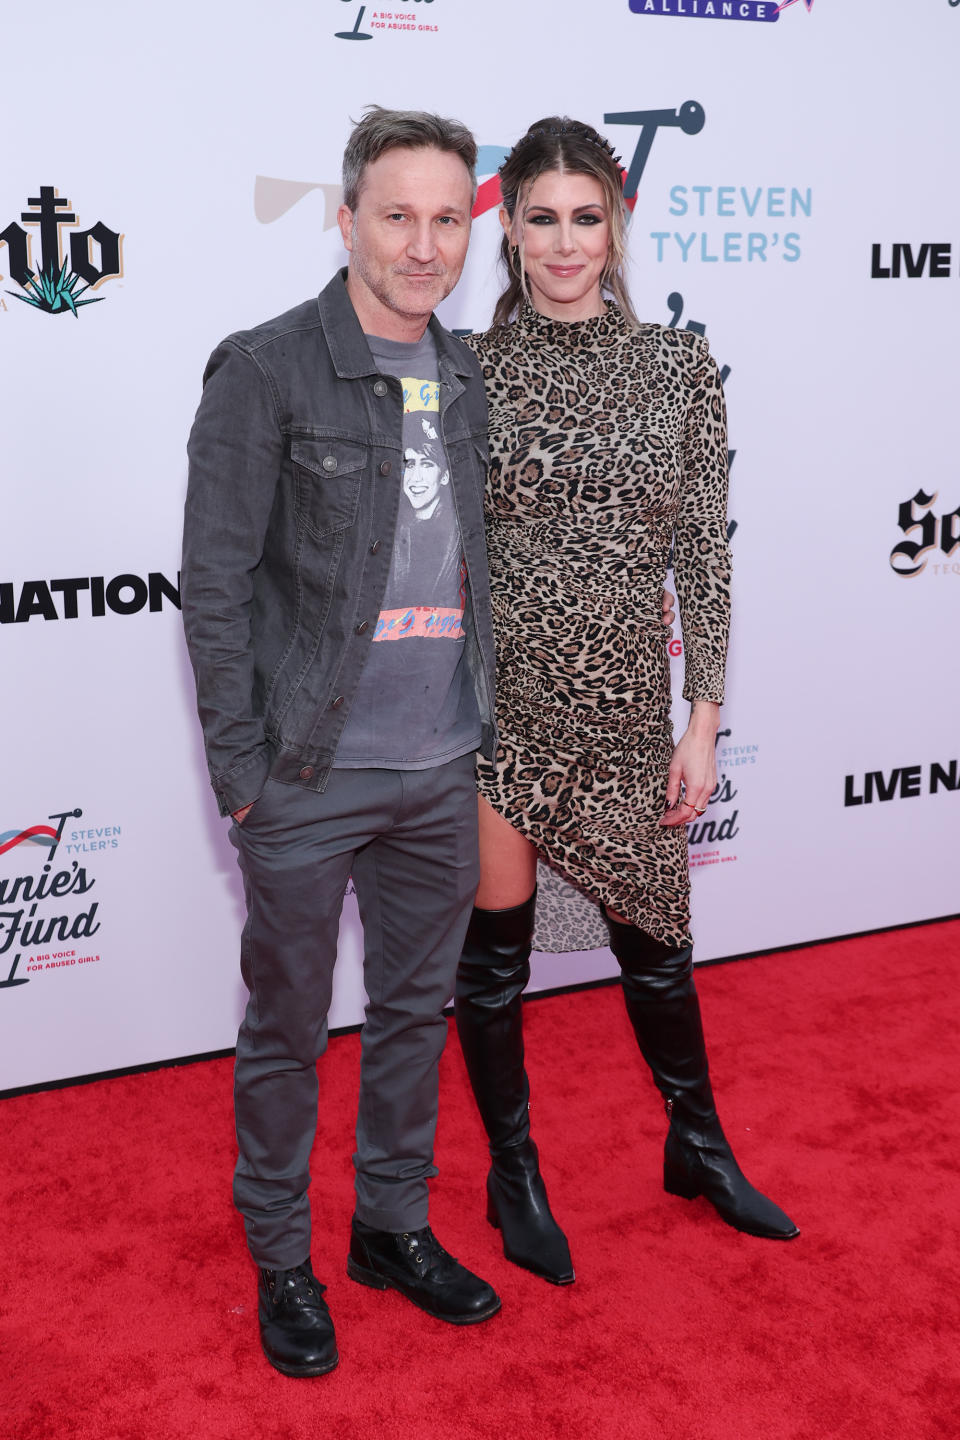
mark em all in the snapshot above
pixel 662 1004
pixel 493 971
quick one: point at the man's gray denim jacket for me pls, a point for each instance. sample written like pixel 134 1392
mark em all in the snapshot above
pixel 295 481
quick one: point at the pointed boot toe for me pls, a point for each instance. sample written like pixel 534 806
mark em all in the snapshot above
pixel 517 1206
pixel 709 1169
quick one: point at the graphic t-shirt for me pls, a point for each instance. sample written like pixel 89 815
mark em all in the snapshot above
pixel 415 706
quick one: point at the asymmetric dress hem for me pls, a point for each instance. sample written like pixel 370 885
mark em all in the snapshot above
pixel 608 446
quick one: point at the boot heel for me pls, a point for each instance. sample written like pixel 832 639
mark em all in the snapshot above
pixel 492 1217
pixel 680 1182
pixel 364 1276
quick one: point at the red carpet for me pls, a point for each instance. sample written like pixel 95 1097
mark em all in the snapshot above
pixel 128 1308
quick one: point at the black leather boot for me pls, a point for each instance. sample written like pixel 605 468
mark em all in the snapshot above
pixel 296 1330
pixel 494 969
pixel 416 1264
pixel 662 1004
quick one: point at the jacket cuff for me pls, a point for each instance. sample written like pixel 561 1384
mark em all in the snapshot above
pixel 242 785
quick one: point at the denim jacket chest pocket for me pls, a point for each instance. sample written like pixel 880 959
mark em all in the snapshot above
pixel 327 475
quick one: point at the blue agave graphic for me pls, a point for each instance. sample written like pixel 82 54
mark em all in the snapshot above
pixel 55 291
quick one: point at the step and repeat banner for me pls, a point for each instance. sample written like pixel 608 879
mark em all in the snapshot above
pixel 791 173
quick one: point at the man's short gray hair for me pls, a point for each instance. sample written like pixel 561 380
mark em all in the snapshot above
pixel 381 130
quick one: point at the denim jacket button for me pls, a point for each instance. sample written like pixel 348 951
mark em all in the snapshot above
pixel 385 467
pixel 329 462
pixel 374 547
pixel 364 625
pixel 306 773
pixel 380 388
pixel 337 703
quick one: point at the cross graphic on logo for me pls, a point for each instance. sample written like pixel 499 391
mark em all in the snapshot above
pixel 58 286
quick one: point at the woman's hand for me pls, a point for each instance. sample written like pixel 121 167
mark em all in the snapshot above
pixel 693 768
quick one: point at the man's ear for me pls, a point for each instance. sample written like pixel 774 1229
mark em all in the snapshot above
pixel 345 221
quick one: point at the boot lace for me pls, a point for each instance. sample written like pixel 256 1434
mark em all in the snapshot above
pixel 295 1287
pixel 424 1248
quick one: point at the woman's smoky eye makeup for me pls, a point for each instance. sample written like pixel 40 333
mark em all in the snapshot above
pixel 541 217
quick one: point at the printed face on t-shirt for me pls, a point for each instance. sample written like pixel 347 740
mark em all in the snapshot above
pixel 422 479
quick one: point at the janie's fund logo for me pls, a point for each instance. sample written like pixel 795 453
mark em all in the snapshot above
pixel 65 271
pixel 41 919
pixel 709 837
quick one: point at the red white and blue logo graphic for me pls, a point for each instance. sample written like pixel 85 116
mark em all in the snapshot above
pixel 28 929
pixel 689 117
pixel 273 196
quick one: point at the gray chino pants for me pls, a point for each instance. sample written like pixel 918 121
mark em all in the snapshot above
pixel 409 839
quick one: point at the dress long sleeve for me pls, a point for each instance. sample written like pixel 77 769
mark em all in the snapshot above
pixel 702 561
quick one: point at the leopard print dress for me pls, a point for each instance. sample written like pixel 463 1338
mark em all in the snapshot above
pixel 607 445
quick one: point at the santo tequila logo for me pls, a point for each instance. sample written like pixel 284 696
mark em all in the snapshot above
pixel 56 287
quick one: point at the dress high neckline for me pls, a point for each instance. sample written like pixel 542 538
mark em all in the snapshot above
pixel 611 325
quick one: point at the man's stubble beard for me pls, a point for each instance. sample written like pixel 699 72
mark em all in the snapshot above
pixel 387 286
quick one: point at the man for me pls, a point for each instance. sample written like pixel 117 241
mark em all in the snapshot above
pixel 343 690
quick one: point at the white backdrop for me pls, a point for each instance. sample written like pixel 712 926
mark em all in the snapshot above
pixel 825 163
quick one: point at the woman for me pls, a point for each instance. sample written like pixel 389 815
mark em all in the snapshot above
pixel 423 478
pixel 608 443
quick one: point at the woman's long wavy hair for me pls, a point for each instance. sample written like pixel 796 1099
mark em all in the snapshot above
pixel 568 147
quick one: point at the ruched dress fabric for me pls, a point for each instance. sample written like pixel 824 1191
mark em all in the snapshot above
pixel 608 445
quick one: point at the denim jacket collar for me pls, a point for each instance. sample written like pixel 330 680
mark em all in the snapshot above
pixel 347 343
